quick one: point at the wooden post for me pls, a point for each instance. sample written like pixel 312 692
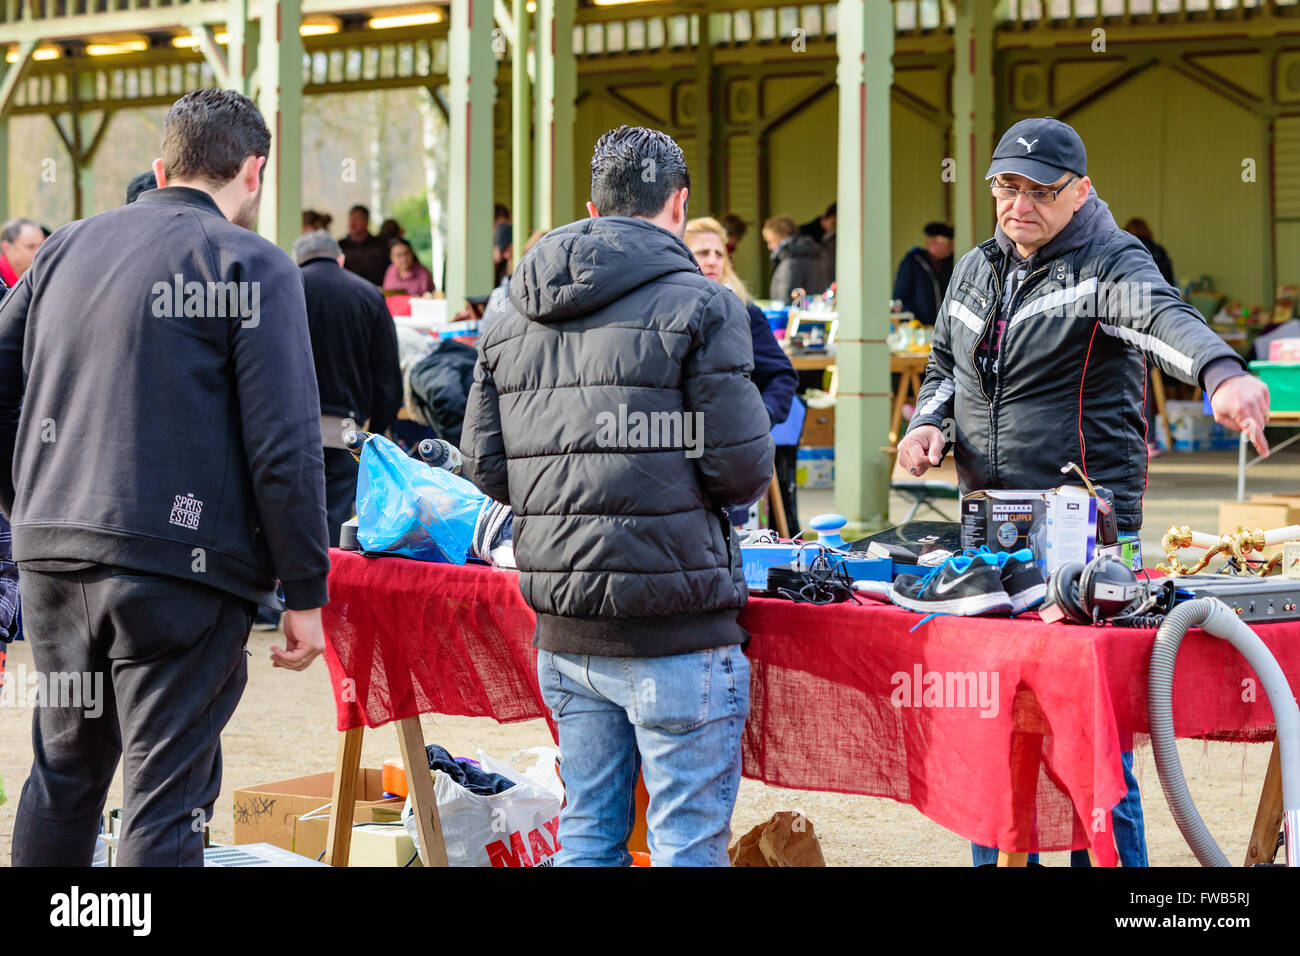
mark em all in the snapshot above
pixel 410 738
pixel 347 764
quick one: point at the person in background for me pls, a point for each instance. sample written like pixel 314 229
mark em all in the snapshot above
pixel 364 254
pixel 624 549
pixel 406 273
pixel 1140 228
pixel 924 273
pixel 391 229
pixel 796 260
pixel 502 243
pixel 502 292
pixel 313 220
pixel 354 349
pixel 828 243
pixel 140 184
pixel 773 374
pixel 736 230
pixel 19 240
pixel 185 479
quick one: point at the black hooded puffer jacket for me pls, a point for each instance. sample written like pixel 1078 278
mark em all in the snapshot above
pixel 612 409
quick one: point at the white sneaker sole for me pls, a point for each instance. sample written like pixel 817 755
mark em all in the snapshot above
pixel 1028 598
pixel 992 602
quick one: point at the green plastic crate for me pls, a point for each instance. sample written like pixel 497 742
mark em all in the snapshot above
pixel 1283 381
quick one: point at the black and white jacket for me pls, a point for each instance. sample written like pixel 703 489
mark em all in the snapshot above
pixel 1069 382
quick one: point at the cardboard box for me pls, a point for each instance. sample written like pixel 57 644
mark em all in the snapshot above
pixel 1059 525
pixel 815 468
pixel 270 813
pixel 1265 512
pixel 1005 520
pixel 375 844
pixel 819 428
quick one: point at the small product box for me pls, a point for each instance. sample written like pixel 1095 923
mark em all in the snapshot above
pixel 1005 520
pixel 1059 526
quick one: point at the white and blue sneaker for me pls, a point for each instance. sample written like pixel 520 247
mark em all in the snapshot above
pixel 966 585
pixel 1022 579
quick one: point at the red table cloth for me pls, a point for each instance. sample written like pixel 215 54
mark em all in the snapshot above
pixel 1007 732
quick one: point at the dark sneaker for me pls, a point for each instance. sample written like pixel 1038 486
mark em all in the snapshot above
pixel 965 585
pixel 1021 577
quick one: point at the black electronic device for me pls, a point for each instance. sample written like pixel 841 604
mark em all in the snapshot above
pixel 1102 590
pixel 1257 600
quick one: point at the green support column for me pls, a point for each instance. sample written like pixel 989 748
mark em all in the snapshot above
pixel 701 175
pixel 472 75
pixel 240 49
pixel 557 87
pixel 521 130
pixel 280 66
pixel 972 133
pixel 865 49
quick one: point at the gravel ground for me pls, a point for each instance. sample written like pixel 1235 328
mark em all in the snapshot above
pixel 284 728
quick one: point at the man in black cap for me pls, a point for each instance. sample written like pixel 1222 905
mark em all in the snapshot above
pixel 923 274
pixel 1040 349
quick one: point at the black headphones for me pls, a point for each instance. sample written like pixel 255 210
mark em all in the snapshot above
pixel 1101 590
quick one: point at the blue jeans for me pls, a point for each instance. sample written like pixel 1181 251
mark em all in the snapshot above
pixel 1130 832
pixel 677 720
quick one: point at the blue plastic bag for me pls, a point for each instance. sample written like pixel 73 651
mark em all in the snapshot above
pixel 405 507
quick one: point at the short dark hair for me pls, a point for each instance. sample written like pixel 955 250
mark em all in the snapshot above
pixel 622 158
pixel 140 184
pixel 500 211
pixel 361 209
pixel 208 134
pixel 939 229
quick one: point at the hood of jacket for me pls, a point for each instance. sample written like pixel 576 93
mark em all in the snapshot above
pixel 579 268
pixel 1092 220
pixel 798 246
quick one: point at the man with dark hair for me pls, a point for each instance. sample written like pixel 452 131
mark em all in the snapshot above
pixel 140 184
pixel 165 457
pixel 624 547
pixel 924 273
pixel 19 240
pixel 354 346
pixel 363 253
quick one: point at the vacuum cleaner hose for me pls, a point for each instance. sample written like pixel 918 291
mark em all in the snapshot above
pixel 1216 619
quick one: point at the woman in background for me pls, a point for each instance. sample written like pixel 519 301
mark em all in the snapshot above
pixel 773 374
pixel 406 273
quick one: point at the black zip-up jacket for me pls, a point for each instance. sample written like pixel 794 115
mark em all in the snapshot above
pixel 621 535
pixel 134 434
pixel 1070 383
pixel 354 344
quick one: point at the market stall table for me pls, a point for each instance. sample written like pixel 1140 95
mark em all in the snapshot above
pixel 1008 733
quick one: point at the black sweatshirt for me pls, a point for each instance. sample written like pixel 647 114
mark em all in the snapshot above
pixel 354 342
pixel 158 403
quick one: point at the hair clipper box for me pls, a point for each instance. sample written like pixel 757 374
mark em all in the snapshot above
pixel 1005 520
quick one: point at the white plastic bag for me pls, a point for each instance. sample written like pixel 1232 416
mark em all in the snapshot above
pixel 517 827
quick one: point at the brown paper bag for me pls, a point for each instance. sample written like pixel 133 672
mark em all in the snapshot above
pixel 785 840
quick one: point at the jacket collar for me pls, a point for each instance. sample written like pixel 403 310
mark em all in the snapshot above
pixel 183 196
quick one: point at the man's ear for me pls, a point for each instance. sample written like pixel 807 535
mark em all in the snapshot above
pixel 591 210
pixel 159 174
pixel 680 202
pixel 251 172
pixel 1081 197
pixel 340 257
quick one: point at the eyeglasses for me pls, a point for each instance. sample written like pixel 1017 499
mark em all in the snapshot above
pixel 1001 191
